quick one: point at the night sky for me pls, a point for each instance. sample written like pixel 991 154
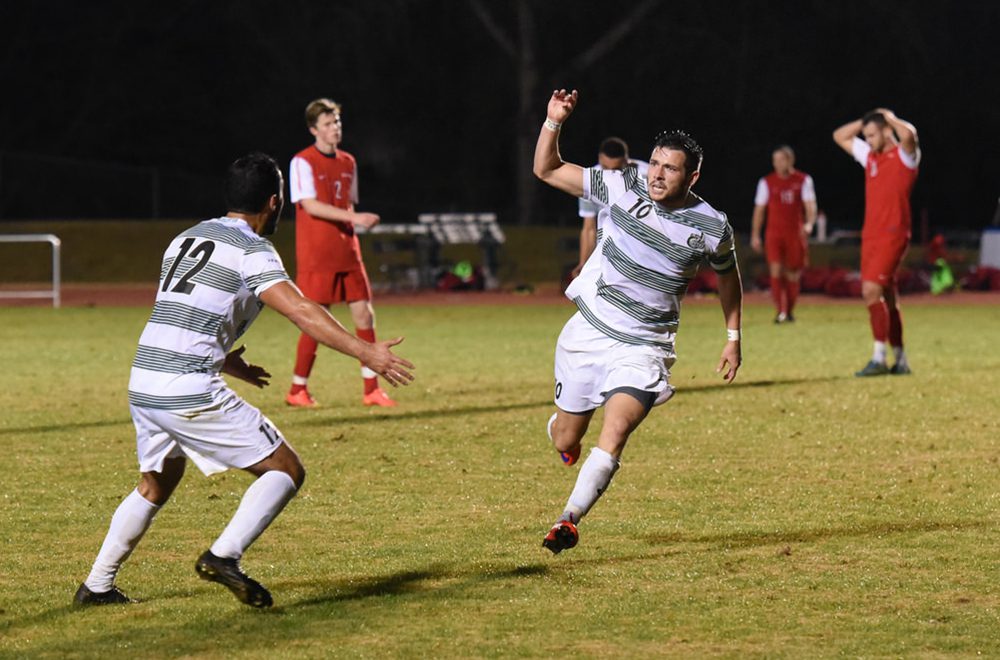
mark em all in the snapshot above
pixel 433 90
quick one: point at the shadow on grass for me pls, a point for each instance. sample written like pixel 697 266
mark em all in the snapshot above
pixel 69 426
pixel 754 539
pixel 407 582
pixel 420 414
pixel 686 389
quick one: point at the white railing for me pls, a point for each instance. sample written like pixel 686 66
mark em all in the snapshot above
pixel 51 239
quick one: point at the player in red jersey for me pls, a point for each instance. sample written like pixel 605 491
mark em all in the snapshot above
pixel 788 198
pixel 890 155
pixel 324 187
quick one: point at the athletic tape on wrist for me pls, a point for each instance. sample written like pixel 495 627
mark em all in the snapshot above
pixel 552 125
pixel 733 335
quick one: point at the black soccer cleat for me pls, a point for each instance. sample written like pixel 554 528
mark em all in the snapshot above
pixel 562 536
pixel 85 597
pixel 227 572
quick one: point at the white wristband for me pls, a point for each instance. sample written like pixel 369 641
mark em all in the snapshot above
pixel 733 335
pixel 551 125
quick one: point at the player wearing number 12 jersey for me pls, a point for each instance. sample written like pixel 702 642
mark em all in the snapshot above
pixel 215 278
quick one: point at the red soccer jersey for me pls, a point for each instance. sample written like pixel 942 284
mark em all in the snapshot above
pixel 785 201
pixel 888 183
pixel 324 246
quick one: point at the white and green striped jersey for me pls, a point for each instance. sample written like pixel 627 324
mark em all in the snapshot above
pixel 632 286
pixel 210 280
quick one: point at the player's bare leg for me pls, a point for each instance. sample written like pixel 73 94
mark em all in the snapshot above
pixel 566 431
pixel 363 316
pixel 777 275
pixel 279 476
pixel 128 525
pixel 878 314
pixel 623 413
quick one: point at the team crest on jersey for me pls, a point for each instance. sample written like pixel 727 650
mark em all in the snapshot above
pixel 696 242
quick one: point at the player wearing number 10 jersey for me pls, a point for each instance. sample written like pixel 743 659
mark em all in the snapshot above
pixel 616 351
pixel 214 280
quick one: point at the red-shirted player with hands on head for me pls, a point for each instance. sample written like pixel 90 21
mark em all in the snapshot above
pixel 890 155
pixel 788 198
pixel 324 187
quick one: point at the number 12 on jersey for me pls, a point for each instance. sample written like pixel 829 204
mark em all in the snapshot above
pixel 205 249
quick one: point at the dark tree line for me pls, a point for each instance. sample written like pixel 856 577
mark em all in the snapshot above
pixel 443 99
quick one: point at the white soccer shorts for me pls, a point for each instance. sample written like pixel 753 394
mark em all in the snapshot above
pixel 589 365
pixel 230 434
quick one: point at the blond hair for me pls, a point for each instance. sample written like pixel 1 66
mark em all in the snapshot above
pixel 320 107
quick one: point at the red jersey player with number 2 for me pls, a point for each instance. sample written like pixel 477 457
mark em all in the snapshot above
pixel 324 189
pixel 890 155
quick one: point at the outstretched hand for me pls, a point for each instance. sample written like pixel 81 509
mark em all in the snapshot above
pixel 561 105
pixel 387 364
pixel 236 366
pixel 730 358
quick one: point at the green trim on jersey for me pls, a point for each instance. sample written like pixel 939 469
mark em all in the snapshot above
pixel 682 256
pixel 166 312
pixel 254 282
pixel 263 245
pixel 180 402
pixel 598 189
pixel 637 310
pixel 166 361
pixel 213 275
pixel 617 335
pixel 638 273
pixel 228 235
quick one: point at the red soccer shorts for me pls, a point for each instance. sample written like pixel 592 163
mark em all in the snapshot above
pixel 881 257
pixel 329 288
pixel 786 248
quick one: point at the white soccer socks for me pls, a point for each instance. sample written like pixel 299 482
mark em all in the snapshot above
pixel 900 356
pixel 263 501
pixel 879 352
pixel 593 480
pixel 131 520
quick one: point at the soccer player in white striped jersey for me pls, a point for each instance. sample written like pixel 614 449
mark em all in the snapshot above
pixel 617 350
pixel 215 278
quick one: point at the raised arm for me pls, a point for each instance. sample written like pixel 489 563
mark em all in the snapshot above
pixel 844 136
pixel 312 319
pixel 548 166
pixel 731 298
pixel 905 131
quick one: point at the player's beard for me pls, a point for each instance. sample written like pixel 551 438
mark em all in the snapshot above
pixel 271 225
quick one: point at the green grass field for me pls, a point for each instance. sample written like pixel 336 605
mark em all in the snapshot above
pixel 799 512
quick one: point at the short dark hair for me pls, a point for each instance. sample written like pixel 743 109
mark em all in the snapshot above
pixel 614 147
pixel 874 117
pixel 250 182
pixel 681 141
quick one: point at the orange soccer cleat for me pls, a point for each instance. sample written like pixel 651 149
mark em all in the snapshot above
pixel 301 399
pixel 562 536
pixel 378 397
